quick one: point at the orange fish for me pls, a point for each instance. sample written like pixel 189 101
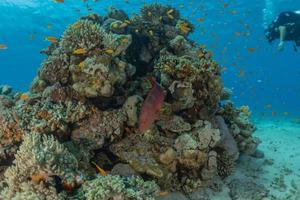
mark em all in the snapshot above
pixel 24 97
pixel 51 39
pixel 3 46
pixel 101 171
pixel 251 50
pixel 201 19
pixel 241 73
pixel 151 106
pixel 163 193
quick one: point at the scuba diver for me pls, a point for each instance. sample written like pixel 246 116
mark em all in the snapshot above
pixel 286 27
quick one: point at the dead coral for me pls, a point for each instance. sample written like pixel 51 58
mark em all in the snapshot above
pixel 99 128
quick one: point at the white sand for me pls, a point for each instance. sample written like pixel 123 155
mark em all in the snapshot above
pixel 279 170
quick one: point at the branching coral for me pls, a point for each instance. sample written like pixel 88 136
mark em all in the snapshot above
pixel 117 187
pixel 44 116
pixel 82 34
pixel 89 94
pixel 39 160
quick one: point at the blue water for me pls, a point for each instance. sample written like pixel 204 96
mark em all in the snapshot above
pixel 271 77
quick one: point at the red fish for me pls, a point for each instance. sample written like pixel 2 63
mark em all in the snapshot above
pixel 151 106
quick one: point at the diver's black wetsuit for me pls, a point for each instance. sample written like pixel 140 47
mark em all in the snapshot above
pixel 291 20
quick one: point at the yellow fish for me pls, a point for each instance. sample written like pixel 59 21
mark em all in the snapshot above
pixel 109 51
pixel 3 46
pixel 101 171
pixel 51 39
pixel 80 51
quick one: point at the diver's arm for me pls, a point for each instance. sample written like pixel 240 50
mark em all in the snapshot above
pixel 282 32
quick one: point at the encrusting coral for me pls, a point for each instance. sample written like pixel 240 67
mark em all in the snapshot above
pixel 87 111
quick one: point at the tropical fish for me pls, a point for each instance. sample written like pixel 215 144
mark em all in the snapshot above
pixel 24 97
pixel 79 51
pixel 151 106
pixel 101 171
pixel 201 19
pixel 225 5
pixel 109 51
pixel 59 1
pixel 51 39
pixel 3 46
pixel 163 193
pixel 251 50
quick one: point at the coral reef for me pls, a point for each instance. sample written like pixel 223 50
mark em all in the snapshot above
pixel 238 120
pixel 92 107
pixel 39 162
pixel 116 187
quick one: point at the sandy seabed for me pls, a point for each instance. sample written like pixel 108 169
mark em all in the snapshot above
pixel 278 172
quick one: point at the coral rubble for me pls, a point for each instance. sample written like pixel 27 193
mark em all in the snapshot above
pixel 84 107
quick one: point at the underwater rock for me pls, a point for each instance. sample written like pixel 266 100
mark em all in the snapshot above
pixel 130 107
pixel 240 126
pixel 55 69
pixel 123 170
pixel 174 124
pixel 227 141
pixel 97 78
pixel 99 128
